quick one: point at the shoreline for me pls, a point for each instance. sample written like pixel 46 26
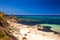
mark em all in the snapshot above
pixel 54 27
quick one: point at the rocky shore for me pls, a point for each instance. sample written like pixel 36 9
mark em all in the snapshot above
pixel 27 32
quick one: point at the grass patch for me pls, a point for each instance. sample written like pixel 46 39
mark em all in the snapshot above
pixel 3 36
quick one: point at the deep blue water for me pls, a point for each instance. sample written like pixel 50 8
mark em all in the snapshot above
pixel 41 19
pixel 39 16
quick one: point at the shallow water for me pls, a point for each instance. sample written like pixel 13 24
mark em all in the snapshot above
pixel 54 27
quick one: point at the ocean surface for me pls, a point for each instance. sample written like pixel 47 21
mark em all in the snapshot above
pixel 52 21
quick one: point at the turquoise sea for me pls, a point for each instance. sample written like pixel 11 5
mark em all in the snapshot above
pixel 47 20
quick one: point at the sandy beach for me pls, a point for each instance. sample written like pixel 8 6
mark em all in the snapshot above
pixel 26 32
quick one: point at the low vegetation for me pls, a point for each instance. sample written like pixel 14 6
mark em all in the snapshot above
pixel 3 36
pixel 3 19
pixel 5 26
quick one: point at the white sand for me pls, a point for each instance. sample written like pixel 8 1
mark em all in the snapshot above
pixel 31 33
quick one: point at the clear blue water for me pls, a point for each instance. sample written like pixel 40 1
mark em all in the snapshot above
pixel 39 16
pixel 46 20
